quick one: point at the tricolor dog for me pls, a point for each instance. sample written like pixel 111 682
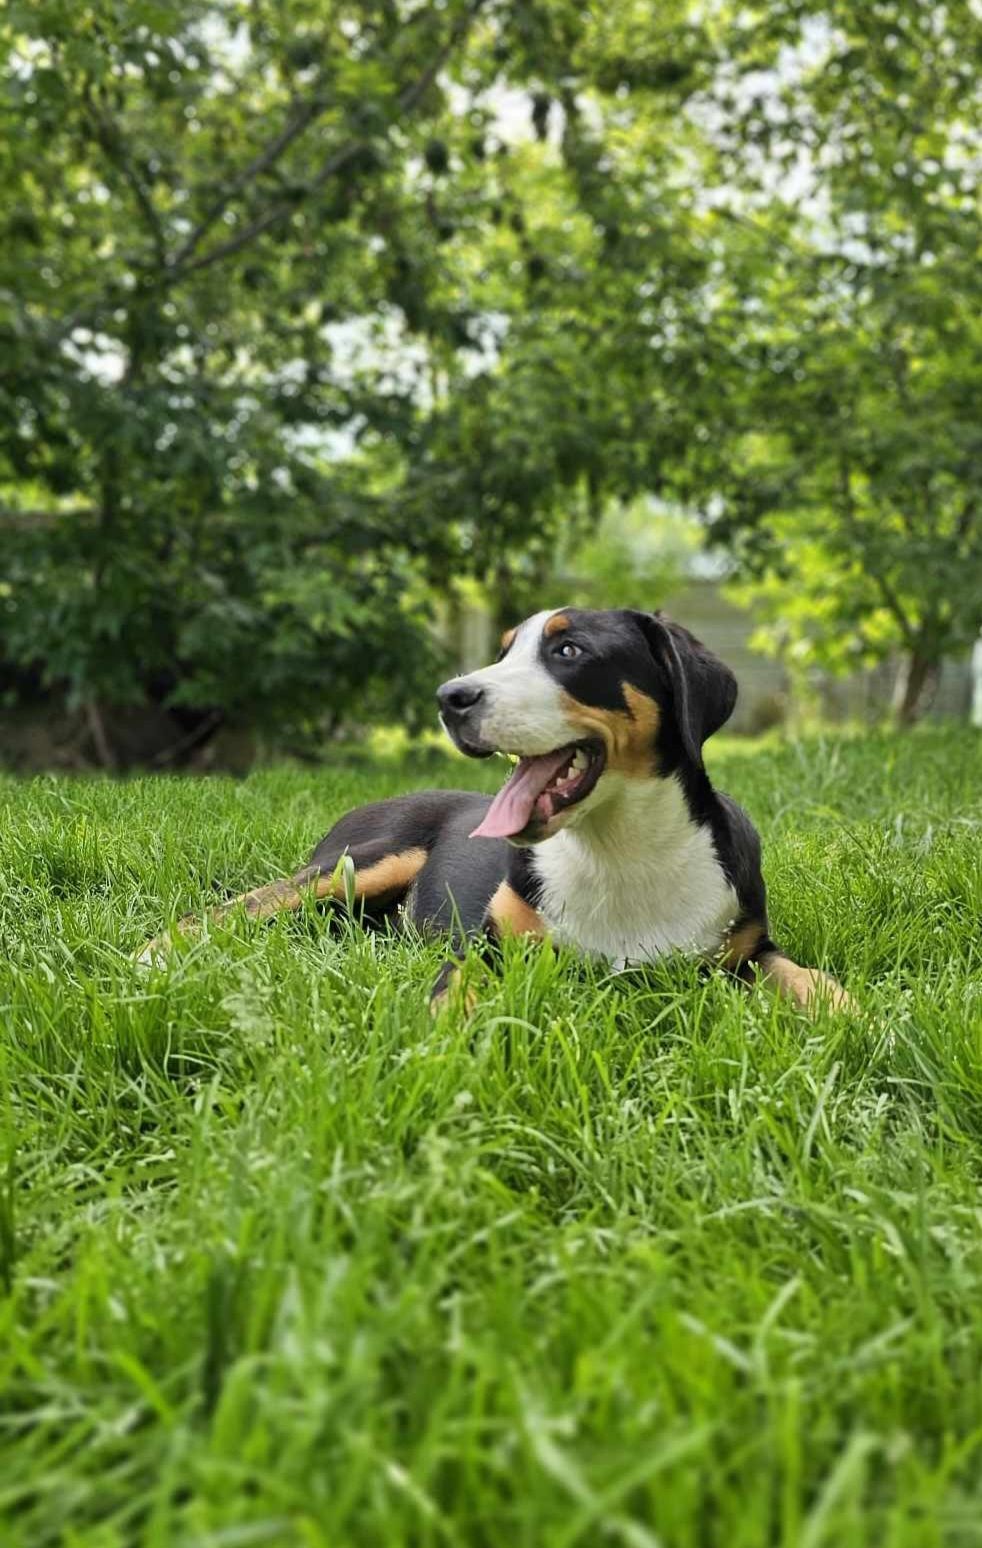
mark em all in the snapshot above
pixel 608 835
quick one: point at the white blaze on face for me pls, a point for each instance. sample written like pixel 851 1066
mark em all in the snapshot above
pixel 523 708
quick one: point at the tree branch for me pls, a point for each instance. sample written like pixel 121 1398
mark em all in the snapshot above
pixel 109 138
pixel 88 311
pixel 899 367
pixel 269 217
pixel 185 744
pixel 404 103
pixel 100 740
pixel 967 518
pixel 885 588
pixel 28 521
pixel 301 118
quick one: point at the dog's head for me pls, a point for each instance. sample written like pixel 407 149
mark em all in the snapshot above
pixel 578 696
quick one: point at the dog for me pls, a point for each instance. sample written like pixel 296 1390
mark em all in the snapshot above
pixel 608 835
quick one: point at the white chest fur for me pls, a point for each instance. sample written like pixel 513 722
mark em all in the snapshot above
pixel 636 878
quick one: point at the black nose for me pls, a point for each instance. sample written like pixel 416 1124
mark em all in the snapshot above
pixel 458 695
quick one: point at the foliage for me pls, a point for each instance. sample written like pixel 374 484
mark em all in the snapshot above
pixel 626 1259
pixel 308 312
pixel 635 557
pixel 847 471
pixel 248 257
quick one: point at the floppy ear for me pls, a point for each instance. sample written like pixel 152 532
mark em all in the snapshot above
pixel 704 690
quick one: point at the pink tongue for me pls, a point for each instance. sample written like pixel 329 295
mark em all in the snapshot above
pixel 511 810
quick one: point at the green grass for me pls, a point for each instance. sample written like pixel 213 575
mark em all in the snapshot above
pixel 636 1260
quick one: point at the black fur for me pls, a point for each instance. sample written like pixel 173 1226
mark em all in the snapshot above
pixel 610 658
pixel 695 693
pixel 412 857
pixel 455 886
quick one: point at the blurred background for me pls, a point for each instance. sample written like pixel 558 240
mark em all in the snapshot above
pixel 335 338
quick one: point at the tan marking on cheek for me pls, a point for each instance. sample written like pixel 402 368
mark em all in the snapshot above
pixel 641 734
pixel 741 944
pixel 628 735
pixel 555 625
pixel 511 915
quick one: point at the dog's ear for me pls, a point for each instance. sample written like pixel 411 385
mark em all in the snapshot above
pixel 703 689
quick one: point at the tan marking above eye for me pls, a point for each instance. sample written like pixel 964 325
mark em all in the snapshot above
pixel 555 625
pixel 508 639
pixel 628 735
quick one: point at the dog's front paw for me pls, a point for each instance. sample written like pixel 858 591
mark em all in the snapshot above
pixel 157 950
pixel 452 991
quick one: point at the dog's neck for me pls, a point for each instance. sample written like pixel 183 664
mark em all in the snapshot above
pixel 636 876
pixel 634 820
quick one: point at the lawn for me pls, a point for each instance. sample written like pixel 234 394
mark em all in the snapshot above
pixel 634 1260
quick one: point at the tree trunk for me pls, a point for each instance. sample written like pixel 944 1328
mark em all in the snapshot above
pixel 915 688
pixel 97 732
pixel 506 608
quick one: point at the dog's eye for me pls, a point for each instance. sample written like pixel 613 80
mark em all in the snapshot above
pixel 568 650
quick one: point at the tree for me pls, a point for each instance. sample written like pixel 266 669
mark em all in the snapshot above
pixel 250 261
pixel 294 330
pixel 844 463
pixel 181 181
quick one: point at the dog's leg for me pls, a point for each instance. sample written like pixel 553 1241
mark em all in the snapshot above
pixel 452 989
pixel 749 947
pixel 359 875
pixel 507 914
pixel 353 879
pixel 810 988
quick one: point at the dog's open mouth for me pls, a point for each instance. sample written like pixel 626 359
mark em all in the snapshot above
pixel 542 787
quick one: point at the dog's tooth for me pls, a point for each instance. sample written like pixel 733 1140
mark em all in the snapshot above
pixel 580 759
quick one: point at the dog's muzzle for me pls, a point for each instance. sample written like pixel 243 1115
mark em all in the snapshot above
pixel 462 706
